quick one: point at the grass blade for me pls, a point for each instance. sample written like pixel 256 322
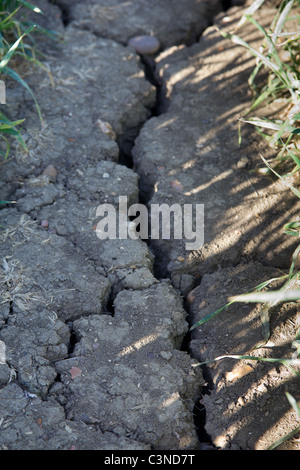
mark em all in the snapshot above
pixel 294 259
pixel 269 125
pixel 239 41
pixel 275 297
pixel 281 360
pixel 235 299
pixel 17 77
pixel 9 127
pixel 270 90
pixel 8 21
pixel 292 188
pixel 13 48
pixel 265 323
pixel 293 403
pixel 281 20
pixel 284 439
pixel 30 6
pixel 289 229
pixel 5 155
pixel 249 12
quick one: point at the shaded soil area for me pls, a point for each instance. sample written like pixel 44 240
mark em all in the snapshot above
pixel 96 350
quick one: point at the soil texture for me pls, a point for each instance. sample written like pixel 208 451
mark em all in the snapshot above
pixel 96 346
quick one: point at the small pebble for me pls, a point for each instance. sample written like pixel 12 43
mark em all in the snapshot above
pixel 106 128
pixel 45 223
pixel 166 354
pixel 144 44
pixel 50 171
pixel 242 163
pixel 219 401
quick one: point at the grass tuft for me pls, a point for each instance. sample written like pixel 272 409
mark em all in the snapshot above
pixel 16 44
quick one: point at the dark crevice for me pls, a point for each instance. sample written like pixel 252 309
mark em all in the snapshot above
pixel 161 261
pixel 162 101
pixel 127 139
pixel 199 411
pixel 73 339
pixel 226 4
pixel 110 307
pixel 65 14
pixel 126 143
pixel 161 257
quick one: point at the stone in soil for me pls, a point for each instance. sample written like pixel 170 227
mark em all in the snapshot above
pixel 172 22
pixel 144 44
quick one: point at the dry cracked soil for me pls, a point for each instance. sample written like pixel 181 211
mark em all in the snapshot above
pixel 96 351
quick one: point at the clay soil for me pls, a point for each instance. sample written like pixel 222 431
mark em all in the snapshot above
pixel 96 346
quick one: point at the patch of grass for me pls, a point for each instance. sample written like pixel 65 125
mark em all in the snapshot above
pixel 16 44
pixel 279 55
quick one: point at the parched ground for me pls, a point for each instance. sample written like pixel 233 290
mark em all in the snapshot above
pixel 96 350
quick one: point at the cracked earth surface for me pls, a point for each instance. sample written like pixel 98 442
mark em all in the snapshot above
pixel 96 351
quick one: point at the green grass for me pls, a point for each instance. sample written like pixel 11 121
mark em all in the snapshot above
pixel 16 45
pixel 282 134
